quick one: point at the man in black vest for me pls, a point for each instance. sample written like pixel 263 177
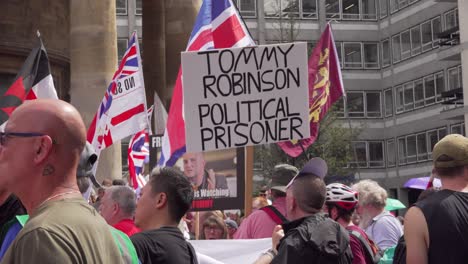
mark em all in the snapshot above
pixel 436 229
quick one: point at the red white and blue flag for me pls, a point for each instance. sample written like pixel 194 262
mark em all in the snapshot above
pixel 218 25
pixel 138 155
pixel 122 111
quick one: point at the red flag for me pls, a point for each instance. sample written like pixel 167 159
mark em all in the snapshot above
pixel 32 81
pixel 325 88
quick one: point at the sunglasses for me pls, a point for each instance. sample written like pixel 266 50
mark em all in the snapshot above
pixel 5 135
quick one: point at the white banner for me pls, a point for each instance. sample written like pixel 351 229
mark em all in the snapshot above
pixel 245 96
pixel 230 251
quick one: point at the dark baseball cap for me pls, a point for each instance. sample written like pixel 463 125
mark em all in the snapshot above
pixel 316 166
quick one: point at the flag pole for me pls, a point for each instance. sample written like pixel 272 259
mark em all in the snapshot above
pixel 249 153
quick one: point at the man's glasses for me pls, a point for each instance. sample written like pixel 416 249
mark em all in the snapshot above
pixel 5 135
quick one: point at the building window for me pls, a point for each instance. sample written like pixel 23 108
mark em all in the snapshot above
pixel 376 156
pixel 373 104
pixel 458 129
pixel 371 55
pixel 399 95
pixel 383 7
pixel 411 150
pixel 391 153
pixel 355 104
pixel 393 6
pixel 402 4
pixel 401 151
pixel 421 143
pixel 352 58
pixel 426 36
pixel 369 10
pixel 247 8
pixel 453 78
pixel 396 48
pixel 405 45
pixel 440 85
pixel 309 8
pixel 451 19
pixel 429 89
pixel 418 93
pixel 415 40
pixel 436 29
pixel 340 108
pixel 408 96
pixel 138 8
pixel 385 53
pixel 339 46
pixel 285 8
pixel 360 153
pixel 350 9
pixel 332 9
pixel 388 102
pixel 121 47
pixel 121 7
pixel 368 154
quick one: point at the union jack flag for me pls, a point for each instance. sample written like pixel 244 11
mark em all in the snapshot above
pixel 122 111
pixel 138 154
pixel 218 25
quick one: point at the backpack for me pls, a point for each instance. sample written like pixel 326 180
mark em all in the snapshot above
pixel 371 250
pixel 274 214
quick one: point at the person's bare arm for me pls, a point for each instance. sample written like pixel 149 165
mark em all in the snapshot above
pixel 277 235
pixel 416 237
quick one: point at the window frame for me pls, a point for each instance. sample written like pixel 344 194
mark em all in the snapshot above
pixel 121 8
pixel 347 65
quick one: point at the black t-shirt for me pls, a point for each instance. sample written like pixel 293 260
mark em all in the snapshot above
pixel 446 214
pixel 163 245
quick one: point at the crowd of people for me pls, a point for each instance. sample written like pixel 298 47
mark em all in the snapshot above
pixel 46 170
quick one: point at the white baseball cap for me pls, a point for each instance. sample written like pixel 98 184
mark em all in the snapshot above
pixel 316 166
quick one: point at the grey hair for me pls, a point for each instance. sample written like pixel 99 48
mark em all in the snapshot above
pixel 371 193
pixel 125 197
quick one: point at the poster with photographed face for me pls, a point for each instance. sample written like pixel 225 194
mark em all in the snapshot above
pixel 217 178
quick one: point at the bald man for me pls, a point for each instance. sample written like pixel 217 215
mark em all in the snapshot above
pixel 39 154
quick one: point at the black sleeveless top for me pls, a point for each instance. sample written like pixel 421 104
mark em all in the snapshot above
pixel 446 214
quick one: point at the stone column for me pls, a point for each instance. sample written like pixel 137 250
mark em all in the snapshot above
pixel 261 22
pixel 463 24
pixel 322 17
pixel 154 44
pixel 180 18
pixel 93 61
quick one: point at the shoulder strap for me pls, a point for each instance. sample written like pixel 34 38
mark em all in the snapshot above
pixel 193 255
pixel 274 214
pixel 366 244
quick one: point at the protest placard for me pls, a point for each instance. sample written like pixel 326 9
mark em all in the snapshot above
pixel 245 96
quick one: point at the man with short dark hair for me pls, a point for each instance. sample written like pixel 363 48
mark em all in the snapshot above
pixel 310 237
pixel 118 208
pixel 164 200
pixel 436 228
pixel 260 224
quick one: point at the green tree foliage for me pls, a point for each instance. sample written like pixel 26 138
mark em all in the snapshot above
pixel 333 144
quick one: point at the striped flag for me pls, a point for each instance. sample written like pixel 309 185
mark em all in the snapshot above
pixel 122 111
pixel 138 155
pixel 325 88
pixel 33 81
pixel 218 25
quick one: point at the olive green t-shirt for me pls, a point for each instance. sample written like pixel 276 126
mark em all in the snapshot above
pixel 64 231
